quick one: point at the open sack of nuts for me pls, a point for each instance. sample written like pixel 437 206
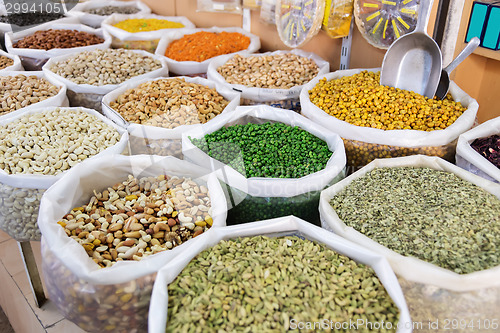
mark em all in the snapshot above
pixel 21 90
pixel 437 225
pixel 277 275
pixel 92 13
pixel 142 31
pixel 190 51
pixel 110 224
pixel 157 111
pixel 92 74
pixel 377 121
pixel 478 150
pixel 272 78
pixel 37 147
pixel 10 62
pixel 35 46
pixel 275 162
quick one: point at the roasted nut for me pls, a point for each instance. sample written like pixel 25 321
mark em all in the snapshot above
pixel 61 39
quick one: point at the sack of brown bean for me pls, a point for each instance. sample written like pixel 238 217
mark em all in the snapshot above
pixel 37 147
pixel 481 158
pixel 10 62
pixel 191 50
pixel 437 225
pixel 378 121
pixel 142 31
pixel 92 13
pixel 275 276
pixel 274 162
pixel 272 78
pixel 157 111
pixel 110 224
pixel 90 75
pixel 35 46
pixel 22 90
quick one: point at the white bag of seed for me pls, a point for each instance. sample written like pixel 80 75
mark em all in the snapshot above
pixel 437 297
pixel 114 298
pixel 34 59
pixel 195 67
pixel 14 64
pixel 286 98
pixel 259 198
pixel 151 138
pixel 29 169
pixel 279 227
pixel 469 159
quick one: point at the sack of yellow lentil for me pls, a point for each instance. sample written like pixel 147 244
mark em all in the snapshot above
pixel 115 298
pixel 181 104
pixel 378 122
pixel 142 31
pixel 449 232
pixel 190 51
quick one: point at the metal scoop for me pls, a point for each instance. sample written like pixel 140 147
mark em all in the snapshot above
pixel 414 62
pixel 444 81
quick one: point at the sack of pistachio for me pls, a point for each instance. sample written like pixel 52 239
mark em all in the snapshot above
pixel 110 224
pixel 275 162
pixel 378 122
pixel 275 276
pixel 438 226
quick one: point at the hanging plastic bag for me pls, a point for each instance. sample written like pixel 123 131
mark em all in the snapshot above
pixel 259 198
pixel 338 16
pixel 152 140
pixel 364 144
pixel 194 67
pixel 469 159
pixel 434 295
pixel 116 298
pixel 268 12
pixel 16 62
pixel 219 6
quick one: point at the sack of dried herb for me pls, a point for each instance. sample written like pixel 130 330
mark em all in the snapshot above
pixel 439 227
pixel 478 150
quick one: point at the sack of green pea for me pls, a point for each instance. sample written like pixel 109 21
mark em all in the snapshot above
pixel 278 170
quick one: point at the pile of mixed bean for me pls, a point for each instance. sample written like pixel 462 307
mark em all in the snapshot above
pixel 140 25
pixel 489 148
pixel 58 39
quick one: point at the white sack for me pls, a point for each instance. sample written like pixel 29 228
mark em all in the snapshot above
pixel 16 66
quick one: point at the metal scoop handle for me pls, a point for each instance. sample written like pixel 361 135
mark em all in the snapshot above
pixel 468 49
pixel 424 12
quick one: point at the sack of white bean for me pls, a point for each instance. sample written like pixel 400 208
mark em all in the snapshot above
pixel 272 78
pixel 277 275
pixel 10 62
pixel 37 147
pixel 157 111
pixel 35 46
pixel 90 75
pixel 109 225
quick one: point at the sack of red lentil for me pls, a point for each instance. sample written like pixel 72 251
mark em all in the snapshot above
pixel 377 122
pixel 142 31
pixel 259 261
pixel 92 74
pixel 38 146
pixel 10 62
pixel 35 46
pixel 437 225
pixel 190 51
pixel 101 276
pixel 182 103
pixel 272 78
pixel 478 148
pixel 263 179
pixel 92 13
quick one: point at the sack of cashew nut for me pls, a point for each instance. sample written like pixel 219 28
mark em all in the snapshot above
pixel 109 225
pixel 37 147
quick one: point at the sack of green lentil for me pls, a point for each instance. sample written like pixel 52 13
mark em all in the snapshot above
pixel 379 122
pixel 37 147
pixel 92 74
pixel 142 31
pixel 272 78
pixel 92 13
pixel 35 46
pixel 278 275
pixel 478 150
pixel 274 162
pixel 101 276
pixel 10 62
pixel 438 226
pixel 191 50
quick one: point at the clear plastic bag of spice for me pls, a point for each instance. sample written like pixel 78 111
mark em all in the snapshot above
pixel 219 6
pixel 338 16
pixel 116 298
pixel 268 11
